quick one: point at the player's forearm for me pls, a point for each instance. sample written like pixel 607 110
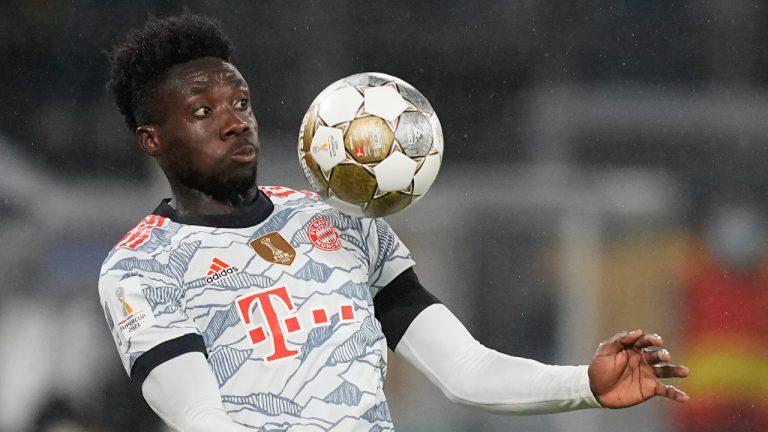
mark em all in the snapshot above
pixel 439 346
pixel 503 384
pixel 184 393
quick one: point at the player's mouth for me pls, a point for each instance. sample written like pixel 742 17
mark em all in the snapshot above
pixel 245 154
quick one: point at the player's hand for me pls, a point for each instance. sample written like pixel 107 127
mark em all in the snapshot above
pixel 626 370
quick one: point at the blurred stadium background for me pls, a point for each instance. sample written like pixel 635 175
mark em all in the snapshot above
pixel 604 170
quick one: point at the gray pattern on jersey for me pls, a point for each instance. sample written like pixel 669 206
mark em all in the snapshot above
pixel 226 361
pixel 108 316
pixel 265 403
pixel 317 337
pixel 378 412
pixel 346 393
pixel 354 347
pixel 222 320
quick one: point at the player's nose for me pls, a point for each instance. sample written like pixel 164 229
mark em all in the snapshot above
pixel 235 125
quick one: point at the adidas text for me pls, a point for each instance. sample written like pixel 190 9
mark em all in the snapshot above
pixel 221 274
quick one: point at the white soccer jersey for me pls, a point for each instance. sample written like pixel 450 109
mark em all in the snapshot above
pixel 280 294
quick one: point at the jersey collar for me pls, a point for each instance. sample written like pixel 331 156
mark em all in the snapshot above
pixel 252 214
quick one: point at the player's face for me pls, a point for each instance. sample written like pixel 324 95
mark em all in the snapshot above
pixel 207 136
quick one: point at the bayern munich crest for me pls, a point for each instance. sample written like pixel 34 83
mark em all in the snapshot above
pixel 324 235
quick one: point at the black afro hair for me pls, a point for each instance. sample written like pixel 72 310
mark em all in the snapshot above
pixel 140 64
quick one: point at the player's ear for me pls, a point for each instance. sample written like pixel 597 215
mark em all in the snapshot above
pixel 149 140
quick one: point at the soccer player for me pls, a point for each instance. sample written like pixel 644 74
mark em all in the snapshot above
pixel 236 307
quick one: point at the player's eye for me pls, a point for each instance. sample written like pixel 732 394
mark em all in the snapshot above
pixel 201 112
pixel 242 103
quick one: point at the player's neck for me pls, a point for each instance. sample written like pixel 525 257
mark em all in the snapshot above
pixel 189 201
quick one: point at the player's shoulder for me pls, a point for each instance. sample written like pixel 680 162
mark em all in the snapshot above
pixel 149 234
pixel 143 253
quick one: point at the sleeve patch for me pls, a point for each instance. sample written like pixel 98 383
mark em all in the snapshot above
pixel 130 309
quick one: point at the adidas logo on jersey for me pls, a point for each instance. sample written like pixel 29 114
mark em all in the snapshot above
pixel 219 270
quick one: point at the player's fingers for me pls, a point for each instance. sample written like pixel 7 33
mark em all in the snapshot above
pixel 619 342
pixel 671 392
pixel 654 356
pixel 648 340
pixel 671 371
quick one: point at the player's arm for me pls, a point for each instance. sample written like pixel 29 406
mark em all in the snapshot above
pixel 184 393
pixel 163 351
pixel 434 341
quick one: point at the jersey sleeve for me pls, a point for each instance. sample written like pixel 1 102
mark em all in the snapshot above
pixel 387 255
pixel 145 314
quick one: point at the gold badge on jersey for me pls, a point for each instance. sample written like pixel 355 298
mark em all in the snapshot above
pixel 274 248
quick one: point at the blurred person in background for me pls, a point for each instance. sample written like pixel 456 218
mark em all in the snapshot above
pixel 195 296
pixel 726 322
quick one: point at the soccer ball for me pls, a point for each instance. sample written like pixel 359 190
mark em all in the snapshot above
pixel 370 145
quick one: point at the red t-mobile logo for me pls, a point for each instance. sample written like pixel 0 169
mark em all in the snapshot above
pixel 281 324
